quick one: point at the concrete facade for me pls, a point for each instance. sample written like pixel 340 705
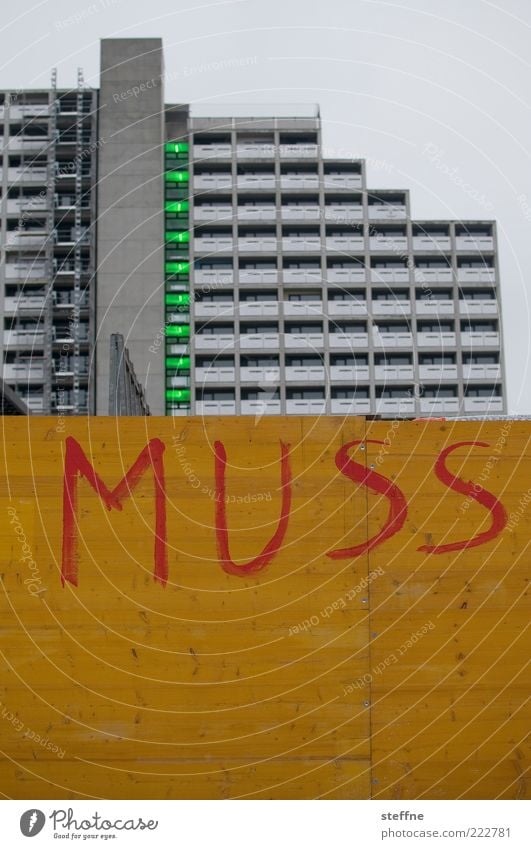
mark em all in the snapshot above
pixel 130 213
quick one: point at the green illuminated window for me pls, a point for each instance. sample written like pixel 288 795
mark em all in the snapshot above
pixel 178 299
pixel 177 267
pixel 177 394
pixel 177 206
pixel 178 362
pixel 177 236
pixel 181 176
pixel 176 147
pixel 177 330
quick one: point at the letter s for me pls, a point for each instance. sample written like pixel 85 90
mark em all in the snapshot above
pixel 377 484
pixel 476 493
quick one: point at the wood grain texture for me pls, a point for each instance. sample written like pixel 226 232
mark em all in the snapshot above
pixel 302 680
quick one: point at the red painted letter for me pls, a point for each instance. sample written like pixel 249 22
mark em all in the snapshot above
pixel 475 491
pixel 76 464
pixel 222 534
pixel 377 484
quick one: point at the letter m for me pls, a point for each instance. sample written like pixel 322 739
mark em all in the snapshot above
pixel 76 464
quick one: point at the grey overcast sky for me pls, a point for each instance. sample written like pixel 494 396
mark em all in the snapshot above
pixel 435 95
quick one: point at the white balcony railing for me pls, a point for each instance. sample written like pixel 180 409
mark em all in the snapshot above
pixel 480 339
pixel 305 374
pixel 478 406
pixel 265 375
pixel 345 244
pixel 299 181
pixel 431 243
pixel 300 212
pixel 302 275
pixel 23 371
pixel 434 339
pixel 395 406
pixel 351 406
pixel 212 342
pixel 348 341
pixel 391 308
pixel 439 406
pixel 260 309
pixel 474 243
pixel 210 182
pixel 301 243
pixel 261 407
pixel 259 341
pixel 341 182
pixel 27 175
pixel 212 151
pixel 349 373
pixel 390 275
pixel 268 276
pixel 304 341
pixel 214 212
pixel 215 408
pixel 433 275
pixel 215 244
pixel 26 204
pixel 255 151
pixel 438 371
pixel 298 151
pixel 481 371
pixel 31 271
pixel 303 308
pixel 213 276
pixel 306 406
pixel 385 373
pixel 476 275
pixel 346 275
pixel 31 338
pixel 24 303
pixel 434 307
pixel 208 309
pixel 267 244
pixel 263 212
pixel 256 181
pixel 342 214
pixel 214 374
pixel 388 243
pixel 476 307
pixel 385 212
pixel 344 309
pixel 400 339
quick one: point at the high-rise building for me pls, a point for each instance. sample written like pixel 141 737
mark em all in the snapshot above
pixel 247 273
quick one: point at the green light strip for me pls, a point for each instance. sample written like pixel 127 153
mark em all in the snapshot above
pixel 178 299
pixel 178 362
pixel 177 206
pixel 178 330
pixel 177 267
pixel 177 394
pixel 176 147
pixel 177 176
pixel 177 236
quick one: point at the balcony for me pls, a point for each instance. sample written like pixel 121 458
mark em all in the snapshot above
pixel 351 406
pixel 474 243
pixel 438 372
pixel 298 151
pixel 26 338
pixel 480 339
pixel 342 182
pixel 268 276
pixel 214 212
pixel 261 375
pixel 305 374
pixel 24 303
pixel 23 372
pixel 478 308
pixel 30 271
pixel 300 212
pixel 213 276
pixel 389 275
pixel 435 308
pixel 434 275
pixel 215 408
pixel 208 309
pixel 214 342
pixel 482 406
pixel 385 373
pixel 383 243
pixel 439 406
pixel 27 175
pixel 260 407
pixel 304 341
pixel 258 309
pixel 255 151
pixel 29 110
pixel 259 342
pixel 393 340
pixel 214 374
pixel 344 309
pixel 395 406
pixel 211 182
pixel 437 340
pixel 303 309
pixel 35 404
pixel 301 243
pixel 257 212
pixel 267 244
pixel 391 308
pixel 212 151
pixel 306 407
pixel 476 275
pixel 344 276
pixel 302 275
pixel 345 244
pixel 348 341
pixel 26 240
pixel 256 181
pixel 432 243
pixel 349 373
pixel 296 182
pixel 482 371
pixel 35 203
pixel 343 214
pixel 27 143
pixel 217 244
pixel 385 212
